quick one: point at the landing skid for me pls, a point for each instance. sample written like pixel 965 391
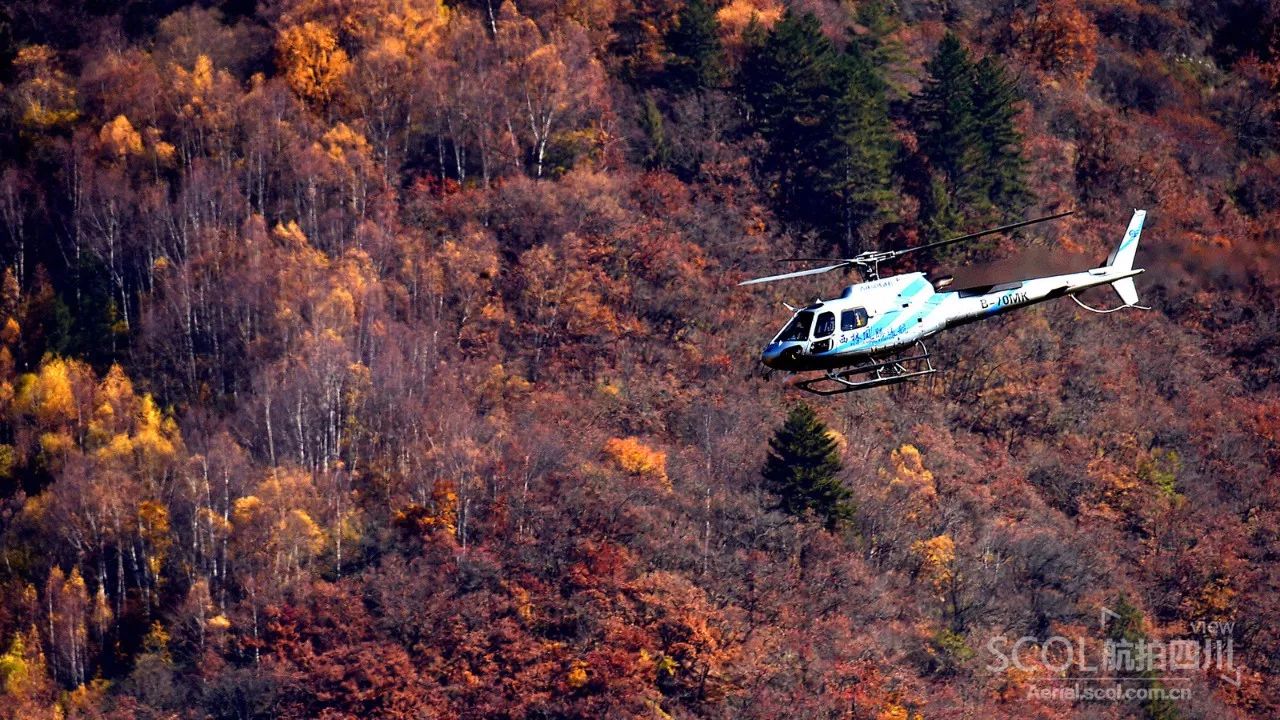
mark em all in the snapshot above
pixel 886 371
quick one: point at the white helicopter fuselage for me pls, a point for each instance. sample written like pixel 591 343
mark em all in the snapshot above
pixel 885 315
pixel 880 317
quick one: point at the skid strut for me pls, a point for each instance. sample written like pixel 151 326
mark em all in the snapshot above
pixel 885 371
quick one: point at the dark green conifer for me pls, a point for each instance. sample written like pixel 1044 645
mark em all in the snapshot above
pixel 944 111
pixel 801 470
pixel 1002 172
pixel 877 41
pixel 790 85
pixel 826 120
pixel 658 153
pixel 938 212
pixel 964 118
pixel 697 56
pixel 862 181
pixel 1126 628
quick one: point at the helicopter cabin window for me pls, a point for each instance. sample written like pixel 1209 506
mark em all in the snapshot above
pixel 853 319
pixel 826 325
pixel 798 329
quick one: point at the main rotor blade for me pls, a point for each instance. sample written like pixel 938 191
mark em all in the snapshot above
pixel 972 236
pixel 799 273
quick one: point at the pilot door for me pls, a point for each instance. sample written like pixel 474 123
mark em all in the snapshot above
pixel 824 330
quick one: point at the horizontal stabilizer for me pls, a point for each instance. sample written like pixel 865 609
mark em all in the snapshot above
pixel 1127 292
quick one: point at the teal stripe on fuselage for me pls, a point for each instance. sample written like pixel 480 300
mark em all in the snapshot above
pixel 892 317
pixel 888 317
pixel 915 318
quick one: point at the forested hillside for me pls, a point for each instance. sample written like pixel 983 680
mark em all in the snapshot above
pixel 385 358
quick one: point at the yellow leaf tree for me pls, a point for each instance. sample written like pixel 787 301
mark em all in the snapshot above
pixel 638 459
pixel 312 62
pixel 119 138
pixel 45 95
pixel 25 688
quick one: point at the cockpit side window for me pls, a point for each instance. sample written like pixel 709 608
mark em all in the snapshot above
pixel 798 328
pixel 826 325
pixel 853 319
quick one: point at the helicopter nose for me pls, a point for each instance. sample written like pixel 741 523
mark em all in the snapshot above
pixel 776 355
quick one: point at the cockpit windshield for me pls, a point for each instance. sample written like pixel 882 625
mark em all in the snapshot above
pixel 798 328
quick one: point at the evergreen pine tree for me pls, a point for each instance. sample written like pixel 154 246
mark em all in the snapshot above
pixel 878 43
pixel 658 153
pixel 825 117
pixel 790 84
pixel 1127 628
pixel 938 211
pixel 697 56
pixel 754 35
pixel 862 182
pixel 1003 169
pixel 944 110
pixel 801 470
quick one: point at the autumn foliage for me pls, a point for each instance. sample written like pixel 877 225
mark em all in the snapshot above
pixel 384 358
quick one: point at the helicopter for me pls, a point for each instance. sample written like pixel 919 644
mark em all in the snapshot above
pixel 873 334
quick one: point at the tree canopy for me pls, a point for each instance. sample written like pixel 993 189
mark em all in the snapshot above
pixel 384 358
pixel 802 469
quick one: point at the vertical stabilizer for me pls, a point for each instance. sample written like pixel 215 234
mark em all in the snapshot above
pixel 1122 258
